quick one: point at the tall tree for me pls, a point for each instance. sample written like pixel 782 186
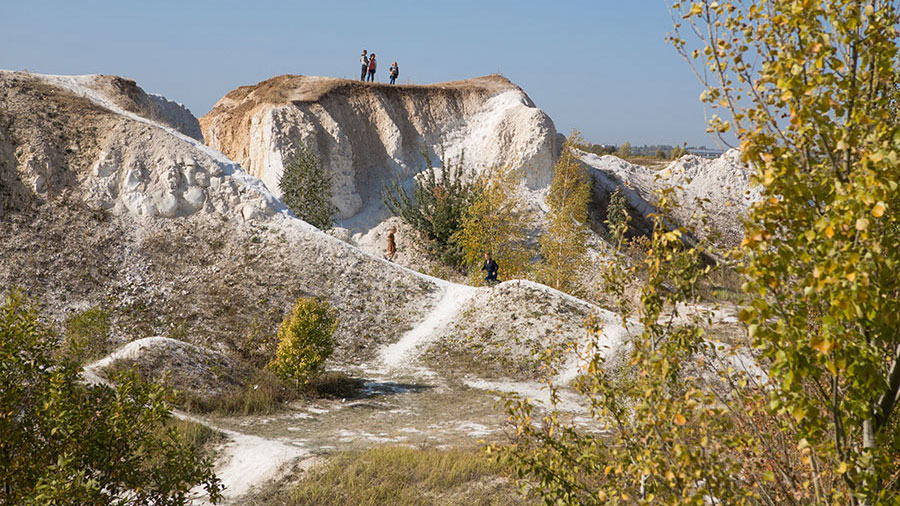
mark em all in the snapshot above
pixel 306 189
pixel 807 87
pixel 564 246
pixel 815 118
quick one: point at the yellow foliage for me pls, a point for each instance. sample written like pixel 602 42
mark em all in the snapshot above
pixel 304 340
pixel 495 223
pixel 564 246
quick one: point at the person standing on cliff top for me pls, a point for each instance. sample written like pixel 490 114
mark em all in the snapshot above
pixel 394 72
pixel 364 60
pixel 371 77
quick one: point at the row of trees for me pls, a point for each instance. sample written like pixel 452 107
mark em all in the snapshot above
pixel 626 150
pixel 809 88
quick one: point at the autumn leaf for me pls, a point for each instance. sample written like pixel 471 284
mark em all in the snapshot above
pixel 824 346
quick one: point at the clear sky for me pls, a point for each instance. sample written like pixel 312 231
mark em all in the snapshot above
pixel 601 66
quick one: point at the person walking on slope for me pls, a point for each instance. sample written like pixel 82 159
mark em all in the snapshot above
pixel 392 244
pixel 394 72
pixel 371 77
pixel 364 60
pixel 491 267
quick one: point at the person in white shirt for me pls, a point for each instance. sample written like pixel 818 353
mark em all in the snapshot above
pixel 364 60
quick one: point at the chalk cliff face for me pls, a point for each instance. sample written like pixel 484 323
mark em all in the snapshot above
pixel 104 201
pixel 371 134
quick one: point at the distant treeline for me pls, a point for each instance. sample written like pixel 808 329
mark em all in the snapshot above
pixel 661 151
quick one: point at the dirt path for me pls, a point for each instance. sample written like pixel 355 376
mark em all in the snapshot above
pixel 247 460
pixel 401 353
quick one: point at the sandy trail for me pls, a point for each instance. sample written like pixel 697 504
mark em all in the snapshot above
pixel 247 460
pixel 401 353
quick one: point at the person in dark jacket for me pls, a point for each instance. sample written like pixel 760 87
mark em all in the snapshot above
pixel 491 267
pixel 364 60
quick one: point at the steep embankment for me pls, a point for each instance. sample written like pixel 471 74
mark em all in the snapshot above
pixel 102 206
pixel 105 207
pixel 371 134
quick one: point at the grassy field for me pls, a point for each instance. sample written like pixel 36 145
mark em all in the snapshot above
pixel 399 476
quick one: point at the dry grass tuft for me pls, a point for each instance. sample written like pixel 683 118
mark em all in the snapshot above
pixel 401 476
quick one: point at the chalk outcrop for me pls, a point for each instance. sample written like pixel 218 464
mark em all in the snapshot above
pixel 369 134
pixel 713 196
pixel 101 205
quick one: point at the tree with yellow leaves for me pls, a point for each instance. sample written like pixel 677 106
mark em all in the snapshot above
pixel 496 223
pixel 809 89
pixel 564 246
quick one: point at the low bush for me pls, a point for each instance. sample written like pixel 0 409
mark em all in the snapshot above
pixel 305 340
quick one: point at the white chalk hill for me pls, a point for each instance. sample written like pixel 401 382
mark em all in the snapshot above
pixel 187 231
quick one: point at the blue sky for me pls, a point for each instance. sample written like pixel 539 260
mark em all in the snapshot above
pixel 600 66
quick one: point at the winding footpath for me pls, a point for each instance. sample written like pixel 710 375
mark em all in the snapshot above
pixel 402 353
pixel 248 460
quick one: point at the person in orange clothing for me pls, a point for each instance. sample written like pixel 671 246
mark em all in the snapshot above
pixel 392 244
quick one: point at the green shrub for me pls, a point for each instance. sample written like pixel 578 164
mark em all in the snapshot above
pixel 305 340
pixel 617 216
pixel 86 335
pixel 67 442
pixel 436 208
pixel 306 189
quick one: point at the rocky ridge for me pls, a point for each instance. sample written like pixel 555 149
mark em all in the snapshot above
pixel 712 196
pixel 369 135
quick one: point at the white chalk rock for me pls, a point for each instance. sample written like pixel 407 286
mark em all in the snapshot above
pixel 168 206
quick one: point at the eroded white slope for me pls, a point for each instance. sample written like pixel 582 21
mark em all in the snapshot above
pixel 718 190
pixel 369 135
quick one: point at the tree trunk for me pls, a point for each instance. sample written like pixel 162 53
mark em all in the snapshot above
pixel 870 444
